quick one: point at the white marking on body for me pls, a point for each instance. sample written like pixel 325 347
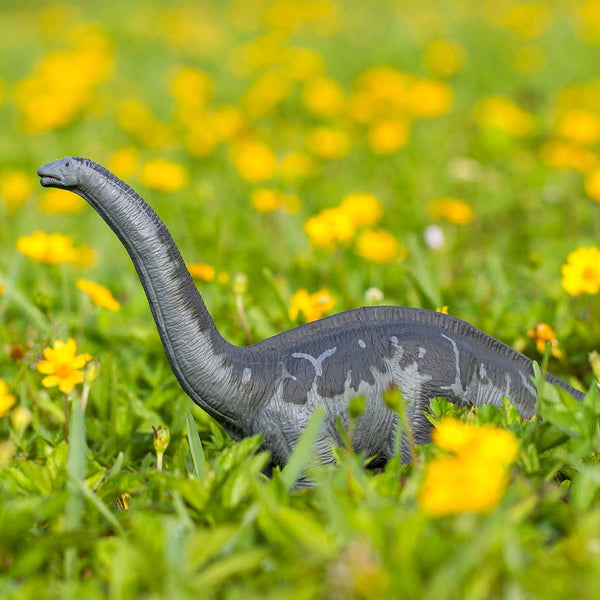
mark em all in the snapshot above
pixel 422 352
pixel 394 340
pixel 527 385
pixel 317 363
pixel 508 382
pixel 456 387
pixel 361 343
pixel 482 372
pixel 246 374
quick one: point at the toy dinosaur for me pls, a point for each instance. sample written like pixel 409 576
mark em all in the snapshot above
pixel 273 387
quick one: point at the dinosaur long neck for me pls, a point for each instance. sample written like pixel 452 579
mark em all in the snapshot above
pixel 200 358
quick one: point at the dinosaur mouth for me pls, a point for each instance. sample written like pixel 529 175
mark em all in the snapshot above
pixel 47 179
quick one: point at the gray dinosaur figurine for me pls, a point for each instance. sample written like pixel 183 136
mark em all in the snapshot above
pixel 273 387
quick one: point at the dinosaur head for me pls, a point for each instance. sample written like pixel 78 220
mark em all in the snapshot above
pixel 64 173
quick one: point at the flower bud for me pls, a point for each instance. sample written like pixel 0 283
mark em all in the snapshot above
pixel 240 284
pixel 373 295
pixel 91 371
pixel 20 418
pixel 356 407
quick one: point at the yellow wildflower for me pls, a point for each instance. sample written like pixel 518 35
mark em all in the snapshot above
pixel 542 334
pixel 388 136
pixel 362 208
pixel 62 366
pixel 581 273
pixel 330 226
pixel 579 126
pixel 15 188
pixel 7 401
pixel 99 294
pixel 501 113
pixel 442 309
pixel 56 201
pixel 444 58
pixel 226 121
pixel 266 92
pixel 474 477
pixel 378 246
pixel 254 160
pixel 592 185
pixel 528 20
pixel 202 271
pixel 164 175
pixel 135 118
pixel 52 249
pixel 268 200
pixel 323 97
pixel 1 289
pixel 312 306
pixel 429 98
pixel 328 142
pixel 566 157
pixel 191 88
pixel 453 210
pixel 63 83
pixel 124 161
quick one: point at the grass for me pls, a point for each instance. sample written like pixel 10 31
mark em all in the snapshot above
pixel 84 512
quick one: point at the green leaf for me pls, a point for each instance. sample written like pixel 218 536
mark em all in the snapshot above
pixel 196 449
pixel 304 452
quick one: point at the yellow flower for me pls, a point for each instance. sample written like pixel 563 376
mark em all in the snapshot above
pixel 226 121
pixel 542 333
pixel 52 249
pixel 99 294
pixel 62 366
pixel 388 136
pixel 266 92
pixel 192 89
pixel 7 401
pixel 330 226
pixel 268 200
pixel 164 175
pixel 124 161
pixel 1 290
pixel 579 126
pixel 442 309
pixel 254 160
pixel 202 271
pixel 501 113
pixel 592 185
pixel 453 210
pixel 362 208
pixel 429 98
pixel 63 83
pixel 474 476
pixel 15 188
pixel 444 58
pixel 312 306
pixel 54 202
pixel 135 118
pixel 566 157
pixel 581 273
pixel 528 20
pixel 323 97
pixel 378 246
pixel 328 142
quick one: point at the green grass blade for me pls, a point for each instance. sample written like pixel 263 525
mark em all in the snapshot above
pixel 195 447
pixel 303 453
pixel 76 473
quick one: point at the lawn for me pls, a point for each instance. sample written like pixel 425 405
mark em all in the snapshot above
pixel 308 158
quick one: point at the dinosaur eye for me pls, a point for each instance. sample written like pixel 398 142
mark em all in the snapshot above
pixel 67 164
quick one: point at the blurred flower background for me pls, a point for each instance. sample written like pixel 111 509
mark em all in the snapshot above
pixel 433 154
